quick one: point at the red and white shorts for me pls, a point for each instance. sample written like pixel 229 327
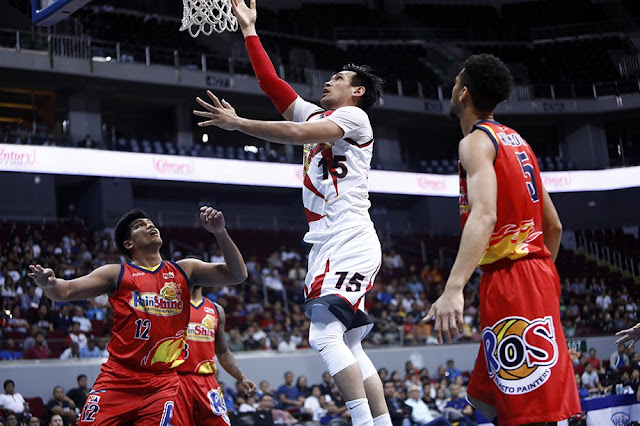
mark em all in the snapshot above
pixel 200 402
pixel 523 373
pixel 341 271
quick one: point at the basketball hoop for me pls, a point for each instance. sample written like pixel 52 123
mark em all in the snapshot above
pixel 206 16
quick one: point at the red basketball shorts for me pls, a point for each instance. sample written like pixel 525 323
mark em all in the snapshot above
pixel 200 402
pixel 121 396
pixel 523 373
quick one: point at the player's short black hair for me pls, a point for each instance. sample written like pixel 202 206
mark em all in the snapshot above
pixel 123 229
pixel 488 80
pixel 371 82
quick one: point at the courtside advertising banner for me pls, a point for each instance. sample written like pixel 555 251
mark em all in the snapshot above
pixel 93 162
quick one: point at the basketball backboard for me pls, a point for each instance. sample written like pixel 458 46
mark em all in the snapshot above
pixel 47 12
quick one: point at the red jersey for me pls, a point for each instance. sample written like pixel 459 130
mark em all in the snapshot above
pixel 201 339
pixel 518 229
pixel 150 316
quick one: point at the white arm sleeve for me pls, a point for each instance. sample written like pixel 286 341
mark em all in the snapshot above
pixel 354 122
pixel 303 110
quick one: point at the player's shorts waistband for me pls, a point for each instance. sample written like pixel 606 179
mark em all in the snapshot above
pixel 506 263
pixel 114 363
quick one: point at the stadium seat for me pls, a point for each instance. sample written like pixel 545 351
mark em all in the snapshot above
pixel 37 407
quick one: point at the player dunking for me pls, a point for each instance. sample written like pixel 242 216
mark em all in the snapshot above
pixel 200 400
pixel 346 253
pixel 523 374
pixel 150 299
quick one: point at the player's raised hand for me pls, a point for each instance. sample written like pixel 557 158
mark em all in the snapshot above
pixel 220 114
pixel 246 16
pixel 43 277
pixel 212 219
pixel 447 311
pixel 247 386
pixel 629 337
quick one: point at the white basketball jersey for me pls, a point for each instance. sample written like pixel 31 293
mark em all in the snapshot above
pixel 335 192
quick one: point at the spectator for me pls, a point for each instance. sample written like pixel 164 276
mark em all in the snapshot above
pixel 590 378
pixel 441 399
pixel 39 350
pixel 332 413
pixel 62 322
pixel 288 394
pixel 263 388
pixel 34 421
pixel 415 286
pixel 42 320
pixel 56 420
pixel 603 301
pixel 246 404
pixel 234 340
pixel 77 336
pixel 272 280
pixel 303 387
pixel 90 350
pixel 327 384
pixel 79 395
pixel 297 272
pixel 95 312
pixel 594 360
pixel 583 392
pixel 420 413
pixel 314 404
pixel 286 345
pixel 619 358
pixel 10 400
pixel 17 322
pixel 85 323
pixel 61 405
pixel 400 412
pixel 458 409
pixel 30 299
pixel 11 420
pixel 452 371
pixel 72 352
pixel 279 417
pixel 9 353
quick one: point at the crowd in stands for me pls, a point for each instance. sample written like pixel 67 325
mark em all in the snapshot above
pixel 414 396
pixel 264 313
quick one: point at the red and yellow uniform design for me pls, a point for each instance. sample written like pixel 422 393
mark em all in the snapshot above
pixel 200 400
pixel 199 354
pixel 523 372
pixel 138 381
pixel 150 315
pixel 518 230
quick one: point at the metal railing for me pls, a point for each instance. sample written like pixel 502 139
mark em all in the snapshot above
pixel 94 50
pixel 603 254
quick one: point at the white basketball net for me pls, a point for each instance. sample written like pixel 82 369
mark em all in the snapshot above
pixel 206 16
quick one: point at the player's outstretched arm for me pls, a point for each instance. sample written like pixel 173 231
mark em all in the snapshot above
pixel 226 358
pixel 551 225
pixel 102 280
pixel 221 114
pixel 629 336
pixel 233 271
pixel 279 91
pixel 477 154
